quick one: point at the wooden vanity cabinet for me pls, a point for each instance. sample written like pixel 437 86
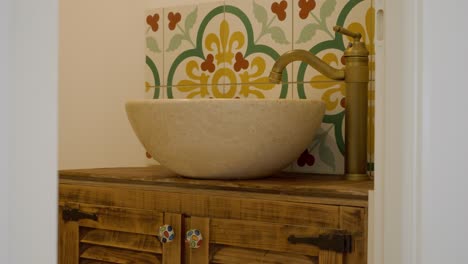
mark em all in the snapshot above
pixel 114 216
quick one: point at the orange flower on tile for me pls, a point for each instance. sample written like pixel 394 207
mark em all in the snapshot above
pixel 152 21
pixel 208 64
pixel 174 19
pixel 306 7
pixel 280 9
pixel 241 62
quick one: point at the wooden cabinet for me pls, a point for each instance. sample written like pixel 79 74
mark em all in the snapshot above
pixel 114 216
pixel 111 234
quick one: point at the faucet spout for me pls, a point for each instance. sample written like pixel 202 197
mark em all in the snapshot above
pixel 307 57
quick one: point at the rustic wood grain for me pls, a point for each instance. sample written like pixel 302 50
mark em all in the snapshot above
pixel 118 256
pixel 185 247
pixel 259 235
pixel 259 210
pixel 90 261
pixel 68 244
pixel 354 220
pixel 122 219
pixel 235 255
pixel 172 251
pixel 207 204
pixel 280 183
pixel 325 216
pixel 200 255
pixel 137 242
pixel 331 257
pixel 252 219
pixel 111 194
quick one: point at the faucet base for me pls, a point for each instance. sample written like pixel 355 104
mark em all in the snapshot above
pixel 356 177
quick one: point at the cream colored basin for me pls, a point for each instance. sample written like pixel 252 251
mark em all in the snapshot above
pixel 225 138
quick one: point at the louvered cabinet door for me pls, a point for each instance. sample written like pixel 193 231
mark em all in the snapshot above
pixel 92 234
pixel 260 240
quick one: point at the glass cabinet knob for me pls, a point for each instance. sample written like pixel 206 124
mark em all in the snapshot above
pixel 194 238
pixel 166 234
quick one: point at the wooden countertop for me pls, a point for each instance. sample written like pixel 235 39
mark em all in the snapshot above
pixel 332 186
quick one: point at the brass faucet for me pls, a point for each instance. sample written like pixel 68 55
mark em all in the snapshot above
pixel 356 77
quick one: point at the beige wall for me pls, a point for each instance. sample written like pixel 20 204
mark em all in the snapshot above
pixel 101 66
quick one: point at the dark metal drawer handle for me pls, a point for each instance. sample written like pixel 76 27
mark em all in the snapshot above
pixel 338 242
pixel 76 215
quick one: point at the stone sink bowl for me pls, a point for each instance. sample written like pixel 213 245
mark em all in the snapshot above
pixel 225 138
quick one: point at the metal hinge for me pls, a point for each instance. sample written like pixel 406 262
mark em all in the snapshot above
pixel 339 242
pixel 76 215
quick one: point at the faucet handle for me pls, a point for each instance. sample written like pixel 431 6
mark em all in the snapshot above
pixel 355 35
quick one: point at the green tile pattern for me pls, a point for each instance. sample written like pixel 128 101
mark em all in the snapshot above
pixel 225 49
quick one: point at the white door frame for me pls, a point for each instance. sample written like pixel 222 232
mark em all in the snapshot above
pixel 398 129
pixel 28 132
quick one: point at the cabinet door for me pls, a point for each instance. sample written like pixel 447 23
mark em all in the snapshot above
pixel 172 252
pixel 197 244
pixel 93 234
pixel 231 241
pixel 68 241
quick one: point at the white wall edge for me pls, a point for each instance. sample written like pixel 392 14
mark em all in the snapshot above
pixel 398 137
pixel 376 211
pixel 32 127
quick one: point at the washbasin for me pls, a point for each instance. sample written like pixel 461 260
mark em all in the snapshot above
pixel 225 138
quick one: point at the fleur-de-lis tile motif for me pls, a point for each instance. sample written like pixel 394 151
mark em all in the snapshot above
pixel 224 43
pixel 228 47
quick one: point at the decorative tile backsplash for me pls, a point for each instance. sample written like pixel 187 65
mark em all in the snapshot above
pixel 225 49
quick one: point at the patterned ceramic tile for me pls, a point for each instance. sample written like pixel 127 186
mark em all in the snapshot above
pixel 313 31
pixel 154 70
pixel 304 87
pixel 327 150
pixel 214 51
pixel 199 91
pixel 292 90
pixel 313 25
pixel 323 155
pixel 332 93
pixel 193 46
pixel 261 32
pixel 313 28
pixel 257 90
